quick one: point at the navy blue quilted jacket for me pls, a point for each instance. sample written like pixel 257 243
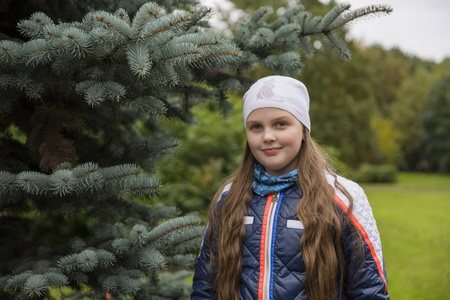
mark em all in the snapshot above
pixel 273 267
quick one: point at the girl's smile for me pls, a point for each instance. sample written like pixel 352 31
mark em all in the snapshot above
pixel 274 136
pixel 271 151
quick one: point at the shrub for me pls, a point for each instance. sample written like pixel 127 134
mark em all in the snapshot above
pixel 368 173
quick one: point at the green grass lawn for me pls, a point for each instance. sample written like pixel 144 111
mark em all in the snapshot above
pixel 413 218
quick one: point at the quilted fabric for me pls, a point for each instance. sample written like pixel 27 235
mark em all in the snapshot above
pixel 362 212
pixel 287 265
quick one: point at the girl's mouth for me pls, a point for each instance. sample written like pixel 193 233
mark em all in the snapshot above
pixel 271 151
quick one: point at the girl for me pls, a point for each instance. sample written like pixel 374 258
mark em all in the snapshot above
pixel 285 226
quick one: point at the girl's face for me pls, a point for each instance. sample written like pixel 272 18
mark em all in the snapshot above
pixel 275 138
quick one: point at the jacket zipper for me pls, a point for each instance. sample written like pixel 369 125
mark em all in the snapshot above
pixel 268 247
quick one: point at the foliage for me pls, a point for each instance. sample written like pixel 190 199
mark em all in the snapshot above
pixel 389 69
pixel 73 92
pixel 334 159
pixel 436 123
pixel 368 173
pixel 387 140
pixel 412 217
pixel 409 108
pixel 342 105
pixel 210 151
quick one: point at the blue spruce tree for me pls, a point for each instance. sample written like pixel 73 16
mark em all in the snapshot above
pixel 79 141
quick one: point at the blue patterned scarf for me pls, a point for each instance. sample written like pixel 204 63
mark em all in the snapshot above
pixel 265 184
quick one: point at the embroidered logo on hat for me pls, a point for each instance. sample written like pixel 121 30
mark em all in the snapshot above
pixel 266 92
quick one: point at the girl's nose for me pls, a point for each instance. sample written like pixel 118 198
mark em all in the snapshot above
pixel 269 137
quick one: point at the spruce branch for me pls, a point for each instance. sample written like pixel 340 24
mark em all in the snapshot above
pixel 7 182
pixel 62 182
pixel 79 278
pixel 187 241
pixel 111 284
pixel 181 54
pixel 88 177
pixel 333 15
pixel 107 20
pixel 53 31
pixel 160 212
pixel 35 26
pixel 33 182
pixel 35 91
pixel 155 148
pixel 173 21
pixel 285 35
pixel 68 263
pixel 78 245
pixel 139 59
pixel 260 16
pixel 166 75
pixel 87 260
pixel 171 227
pixel 352 16
pixel 123 15
pixel 200 40
pixel 118 230
pixel 312 26
pixel 149 105
pixel 152 260
pixel 291 15
pixel 36 285
pixel 361 13
pixel 339 46
pixel 142 186
pixel 109 40
pixel 228 54
pixel 129 286
pixel 37 52
pixel 10 51
pixel 17 282
pixel 57 280
pixel 231 54
pixel 76 41
pixel 199 16
pixel 262 38
pixel 121 246
pixel 113 175
pixel 146 14
pixel 95 92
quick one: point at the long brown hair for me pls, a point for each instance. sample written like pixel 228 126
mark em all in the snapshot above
pixel 320 244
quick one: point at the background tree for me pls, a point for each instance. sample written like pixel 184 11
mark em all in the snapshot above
pixel 389 69
pixel 436 124
pixel 342 105
pixel 80 139
pixel 409 108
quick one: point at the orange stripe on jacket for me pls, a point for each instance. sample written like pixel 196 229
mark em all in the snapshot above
pixel 262 258
pixel 365 236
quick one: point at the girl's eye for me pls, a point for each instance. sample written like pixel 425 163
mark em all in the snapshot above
pixel 255 127
pixel 281 124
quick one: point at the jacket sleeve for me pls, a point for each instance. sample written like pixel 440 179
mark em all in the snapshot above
pixel 204 276
pixel 365 276
pixel 363 279
pixel 203 282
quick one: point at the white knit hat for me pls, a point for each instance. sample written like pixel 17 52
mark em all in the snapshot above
pixel 279 92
